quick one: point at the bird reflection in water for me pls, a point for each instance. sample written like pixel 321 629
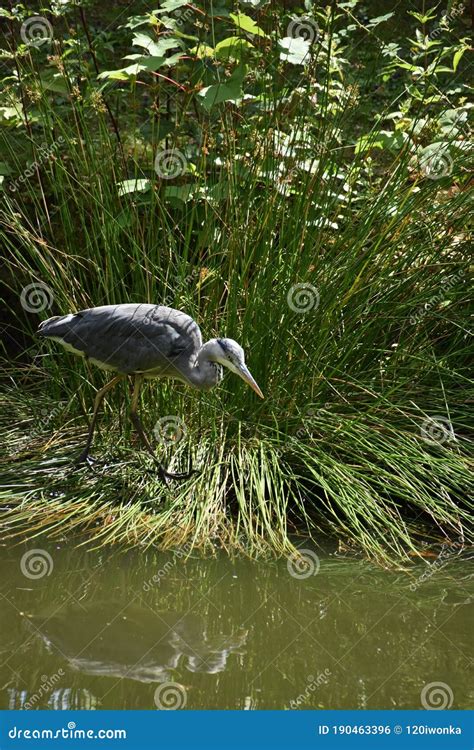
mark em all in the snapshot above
pixel 135 643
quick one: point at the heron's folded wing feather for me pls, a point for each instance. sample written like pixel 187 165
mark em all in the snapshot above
pixel 129 338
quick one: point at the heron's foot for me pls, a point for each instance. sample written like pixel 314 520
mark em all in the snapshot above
pixel 166 475
pixel 84 458
pixel 177 476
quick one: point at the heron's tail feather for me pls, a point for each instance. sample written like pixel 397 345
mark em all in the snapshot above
pixel 50 327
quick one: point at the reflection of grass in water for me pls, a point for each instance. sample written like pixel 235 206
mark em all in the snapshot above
pixel 351 607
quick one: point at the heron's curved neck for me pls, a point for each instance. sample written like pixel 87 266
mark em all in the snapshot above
pixel 206 372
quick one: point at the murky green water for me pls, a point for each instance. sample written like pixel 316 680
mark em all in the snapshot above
pixel 109 630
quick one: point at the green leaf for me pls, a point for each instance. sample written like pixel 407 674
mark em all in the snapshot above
pixel 122 74
pixel 384 139
pixel 183 193
pixel 124 218
pixel 457 57
pixel 155 48
pixel 393 141
pixel 133 186
pixel 54 81
pixel 231 90
pixel 365 143
pixel 441 69
pixel 135 21
pixel 247 24
pixel 202 50
pixel 150 62
pixel 451 121
pixel 380 19
pixel 173 59
pixel 142 63
pixel 232 47
pixel 295 50
pixel 147 63
pixel 420 17
pixel 170 5
pixel 9 114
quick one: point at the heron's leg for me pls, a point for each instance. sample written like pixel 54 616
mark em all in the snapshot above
pixel 97 402
pixel 141 432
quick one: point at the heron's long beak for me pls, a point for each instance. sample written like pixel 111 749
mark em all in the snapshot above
pixel 247 377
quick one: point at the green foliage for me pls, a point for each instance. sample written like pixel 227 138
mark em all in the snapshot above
pixel 230 91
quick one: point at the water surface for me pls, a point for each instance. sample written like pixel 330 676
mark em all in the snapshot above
pixel 134 630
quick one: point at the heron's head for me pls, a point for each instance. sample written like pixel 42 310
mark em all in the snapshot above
pixel 230 354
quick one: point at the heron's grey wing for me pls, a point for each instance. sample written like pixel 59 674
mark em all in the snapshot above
pixel 128 338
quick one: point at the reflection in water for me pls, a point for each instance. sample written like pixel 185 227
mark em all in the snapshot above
pixel 137 643
pixel 103 630
pixel 63 699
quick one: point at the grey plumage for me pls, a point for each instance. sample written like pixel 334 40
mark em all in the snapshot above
pixel 146 341
pixel 129 338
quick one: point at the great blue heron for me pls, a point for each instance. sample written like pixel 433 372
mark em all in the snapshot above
pixel 145 341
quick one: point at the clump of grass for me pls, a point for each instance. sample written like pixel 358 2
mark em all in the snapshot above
pixel 345 281
pixel 253 494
